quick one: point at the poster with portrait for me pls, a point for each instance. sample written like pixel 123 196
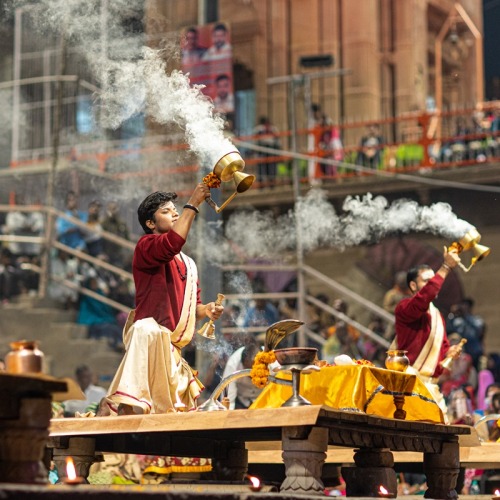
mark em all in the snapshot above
pixel 207 57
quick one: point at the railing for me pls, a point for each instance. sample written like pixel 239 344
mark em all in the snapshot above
pixel 99 263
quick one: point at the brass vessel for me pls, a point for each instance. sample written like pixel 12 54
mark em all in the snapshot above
pixel 470 241
pixel 397 360
pixel 229 168
pixel 25 357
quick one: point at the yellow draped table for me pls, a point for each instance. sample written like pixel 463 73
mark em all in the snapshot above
pixel 358 388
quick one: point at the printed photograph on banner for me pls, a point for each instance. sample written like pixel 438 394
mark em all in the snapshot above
pixel 207 57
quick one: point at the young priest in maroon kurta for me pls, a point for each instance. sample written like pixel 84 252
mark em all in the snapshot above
pixel 153 377
pixel 420 327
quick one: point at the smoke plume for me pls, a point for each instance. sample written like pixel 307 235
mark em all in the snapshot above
pixel 366 219
pixel 133 77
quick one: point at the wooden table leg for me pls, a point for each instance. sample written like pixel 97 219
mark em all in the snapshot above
pixel 80 449
pixel 374 467
pixel 22 442
pixel 232 465
pixel 304 456
pixel 441 470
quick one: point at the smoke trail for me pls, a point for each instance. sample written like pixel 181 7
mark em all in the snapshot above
pixel 366 219
pixel 133 77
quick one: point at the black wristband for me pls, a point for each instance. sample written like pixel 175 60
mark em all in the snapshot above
pixel 191 207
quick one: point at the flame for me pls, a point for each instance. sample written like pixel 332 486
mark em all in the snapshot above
pixel 70 469
pixel 255 481
pixel 382 490
pixel 497 493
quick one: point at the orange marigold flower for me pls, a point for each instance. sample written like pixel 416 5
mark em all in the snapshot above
pixel 260 370
pixel 212 181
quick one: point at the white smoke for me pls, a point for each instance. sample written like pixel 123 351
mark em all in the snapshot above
pixel 133 77
pixel 367 219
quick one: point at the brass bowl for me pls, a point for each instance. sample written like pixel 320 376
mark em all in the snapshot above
pixel 296 356
pixel 397 360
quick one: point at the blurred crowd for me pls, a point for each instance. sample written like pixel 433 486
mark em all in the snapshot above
pixel 75 283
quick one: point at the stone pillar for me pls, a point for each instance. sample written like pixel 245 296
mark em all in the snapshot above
pixel 441 470
pixel 304 458
pixel 374 468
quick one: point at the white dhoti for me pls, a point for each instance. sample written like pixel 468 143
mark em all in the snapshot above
pixel 153 375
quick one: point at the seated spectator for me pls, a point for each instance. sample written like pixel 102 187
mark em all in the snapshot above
pixel 113 223
pixel 64 267
pixel 460 407
pixel 93 393
pixel 10 277
pixel 469 326
pixel 69 233
pixel 342 336
pixel 262 313
pixel 371 148
pixel 242 392
pixel 99 317
pixel 93 238
pixel 268 138
pixel 24 223
pixel 462 372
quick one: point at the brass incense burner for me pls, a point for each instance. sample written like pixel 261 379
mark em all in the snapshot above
pixel 470 241
pixel 297 360
pixel 229 168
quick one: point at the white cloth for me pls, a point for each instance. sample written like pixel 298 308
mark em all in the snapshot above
pixel 243 388
pixel 93 395
pixel 152 375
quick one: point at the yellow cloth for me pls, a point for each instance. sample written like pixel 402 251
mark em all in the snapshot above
pixel 357 388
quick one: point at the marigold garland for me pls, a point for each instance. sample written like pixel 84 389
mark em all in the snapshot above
pixel 212 181
pixel 260 370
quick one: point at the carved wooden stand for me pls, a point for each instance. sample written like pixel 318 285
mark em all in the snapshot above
pixel 374 468
pixel 24 427
pixel 81 450
pixel 304 453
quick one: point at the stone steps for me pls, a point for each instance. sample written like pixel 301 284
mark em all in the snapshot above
pixel 62 340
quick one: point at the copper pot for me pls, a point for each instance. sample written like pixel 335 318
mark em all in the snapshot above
pixel 397 360
pixel 25 357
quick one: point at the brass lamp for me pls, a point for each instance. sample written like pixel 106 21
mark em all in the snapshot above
pixel 470 241
pixel 229 168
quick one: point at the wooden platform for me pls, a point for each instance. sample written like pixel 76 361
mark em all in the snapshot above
pixel 302 435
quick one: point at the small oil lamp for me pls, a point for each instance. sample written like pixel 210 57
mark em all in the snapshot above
pixel 384 493
pixel 71 477
pixel 256 484
pixel 496 495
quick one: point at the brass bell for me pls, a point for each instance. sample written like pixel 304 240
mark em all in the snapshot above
pixel 208 329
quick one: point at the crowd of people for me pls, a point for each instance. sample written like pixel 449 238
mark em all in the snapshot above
pixel 154 375
pixel 471 139
pixel 70 274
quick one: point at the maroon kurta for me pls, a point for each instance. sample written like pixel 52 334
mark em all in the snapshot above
pixel 413 322
pixel 159 287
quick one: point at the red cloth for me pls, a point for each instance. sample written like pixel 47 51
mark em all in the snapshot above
pixel 159 288
pixel 413 322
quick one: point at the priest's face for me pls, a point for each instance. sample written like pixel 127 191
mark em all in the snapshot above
pixel 164 218
pixel 422 279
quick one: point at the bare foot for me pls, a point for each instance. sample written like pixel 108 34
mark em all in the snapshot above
pixel 103 409
pixel 124 409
